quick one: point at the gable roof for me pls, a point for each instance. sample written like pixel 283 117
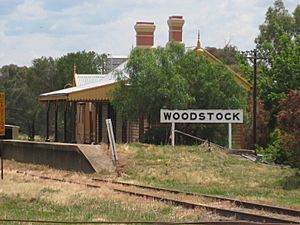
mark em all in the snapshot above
pixel 237 77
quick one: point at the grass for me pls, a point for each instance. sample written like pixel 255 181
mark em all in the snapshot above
pixel 196 169
pixel 192 168
pixel 22 197
pixel 86 210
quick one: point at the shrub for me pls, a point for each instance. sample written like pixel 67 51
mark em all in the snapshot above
pixel 289 124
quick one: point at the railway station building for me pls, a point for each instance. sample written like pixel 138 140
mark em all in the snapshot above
pixel 87 103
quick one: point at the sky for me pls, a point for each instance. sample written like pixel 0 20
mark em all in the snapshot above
pixel 31 29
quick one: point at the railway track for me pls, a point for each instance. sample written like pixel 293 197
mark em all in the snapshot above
pixel 237 202
pixel 238 214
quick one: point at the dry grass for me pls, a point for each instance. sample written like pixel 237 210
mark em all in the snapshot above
pixel 46 196
pixel 195 168
pixel 191 168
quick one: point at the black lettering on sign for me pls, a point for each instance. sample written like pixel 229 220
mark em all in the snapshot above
pixel 210 115
pixel 193 116
pixel 185 116
pixel 201 116
pixel 219 116
pixel 236 116
pixel 167 115
pixel 227 116
pixel 176 116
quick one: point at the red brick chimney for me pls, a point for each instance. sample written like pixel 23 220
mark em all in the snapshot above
pixel 175 28
pixel 144 34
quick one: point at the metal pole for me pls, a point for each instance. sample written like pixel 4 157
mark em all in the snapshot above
pixel 229 136
pixel 173 134
pixel 254 97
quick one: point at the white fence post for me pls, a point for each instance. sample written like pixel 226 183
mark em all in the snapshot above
pixel 229 135
pixel 173 134
pixel 112 140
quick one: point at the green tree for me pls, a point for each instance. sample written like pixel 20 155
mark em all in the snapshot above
pixel 23 86
pixel 85 62
pixel 13 83
pixel 227 54
pixel 279 42
pixel 174 78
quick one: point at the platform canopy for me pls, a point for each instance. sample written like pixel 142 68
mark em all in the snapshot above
pixel 88 87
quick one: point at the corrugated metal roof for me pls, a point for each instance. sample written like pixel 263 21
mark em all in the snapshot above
pixel 84 79
pixel 99 80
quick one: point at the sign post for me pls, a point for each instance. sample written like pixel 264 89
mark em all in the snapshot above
pixel 202 116
pixel 173 134
pixel 229 136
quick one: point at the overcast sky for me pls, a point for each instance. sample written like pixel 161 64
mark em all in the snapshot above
pixel 35 28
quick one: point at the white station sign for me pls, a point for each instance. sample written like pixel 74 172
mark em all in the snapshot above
pixel 201 116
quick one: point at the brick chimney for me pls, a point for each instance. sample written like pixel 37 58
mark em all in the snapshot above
pixel 175 28
pixel 144 34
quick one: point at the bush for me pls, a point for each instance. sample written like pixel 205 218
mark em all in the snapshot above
pixel 274 153
pixel 157 135
pixel 289 124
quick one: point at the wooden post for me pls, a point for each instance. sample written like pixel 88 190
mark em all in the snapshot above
pixel 65 122
pixel 97 123
pixel 55 125
pixel 141 129
pixel 91 123
pixel 100 130
pixel 74 111
pixel 47 122
pixel 229 135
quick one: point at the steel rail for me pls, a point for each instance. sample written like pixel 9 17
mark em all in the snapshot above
pixel 239 203
pixel 138 222
pixel 220 211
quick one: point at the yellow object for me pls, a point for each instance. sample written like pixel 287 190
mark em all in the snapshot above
pixel 100 93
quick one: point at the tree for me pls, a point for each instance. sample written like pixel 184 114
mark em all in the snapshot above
pixel 13 83
pixel 289 125
pixel 24 85
pixel 85 62
pixel 174 78
pixel 279 42
pixel 227 54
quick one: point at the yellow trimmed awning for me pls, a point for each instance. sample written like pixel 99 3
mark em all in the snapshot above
pixel 89 87
pixel 86 93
